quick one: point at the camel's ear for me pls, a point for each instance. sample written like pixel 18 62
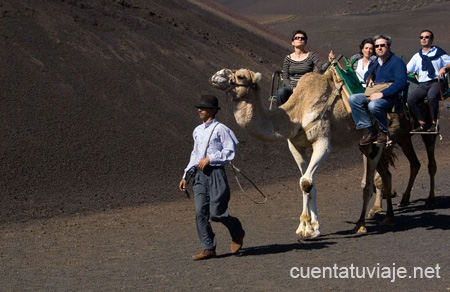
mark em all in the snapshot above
pixel 256 77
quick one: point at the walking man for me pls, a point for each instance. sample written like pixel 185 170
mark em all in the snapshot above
pixel 430 63
pixel 214 147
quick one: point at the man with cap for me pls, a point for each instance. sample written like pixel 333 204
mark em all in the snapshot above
pixel 214 147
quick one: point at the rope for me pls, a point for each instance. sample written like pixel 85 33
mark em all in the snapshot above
pixel 191 172
pixel 237 170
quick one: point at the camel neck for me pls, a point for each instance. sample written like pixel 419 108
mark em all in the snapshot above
pixel 261 123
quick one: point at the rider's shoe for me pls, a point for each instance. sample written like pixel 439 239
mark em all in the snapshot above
pixel 420 129
pixel 368 139
pixel 433 129
pixel 382 138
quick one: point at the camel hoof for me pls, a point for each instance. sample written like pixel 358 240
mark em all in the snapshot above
pixel 310 235
pixel 360 230
pixel 302 233
pixel 404 203
pixel 373 212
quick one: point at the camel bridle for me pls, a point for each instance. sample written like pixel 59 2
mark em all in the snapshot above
pixel 234 85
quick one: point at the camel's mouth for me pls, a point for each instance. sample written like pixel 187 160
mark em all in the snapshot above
pixel 221 79
pixel 219 82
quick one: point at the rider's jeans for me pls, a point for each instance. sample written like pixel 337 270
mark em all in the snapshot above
pixel 361 107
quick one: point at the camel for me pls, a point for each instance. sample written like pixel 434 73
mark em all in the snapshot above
pixel 315 117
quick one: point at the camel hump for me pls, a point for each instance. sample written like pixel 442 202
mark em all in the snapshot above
pixel 313 86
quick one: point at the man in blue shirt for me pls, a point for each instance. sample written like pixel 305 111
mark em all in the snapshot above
pixel 214 147
pixel 430 63
pixel 388 69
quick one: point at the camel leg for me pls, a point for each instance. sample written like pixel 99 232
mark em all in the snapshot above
pixel 302 160
pixel 372 155
pixel 414 166
pixel 314 232
pixel 386 177
pixel 309 223
pixel 321 149
pixel 377 206
pixel 430 143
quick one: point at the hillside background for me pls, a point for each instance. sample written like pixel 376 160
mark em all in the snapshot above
pixel 97 97
pixel 342 25
pixel 97 101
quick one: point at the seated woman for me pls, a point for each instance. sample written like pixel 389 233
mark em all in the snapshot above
pixel 297 64
pixel 365 58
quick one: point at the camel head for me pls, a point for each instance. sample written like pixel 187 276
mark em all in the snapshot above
pixel 235 82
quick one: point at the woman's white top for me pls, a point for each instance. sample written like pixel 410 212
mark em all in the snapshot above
pixel 360 71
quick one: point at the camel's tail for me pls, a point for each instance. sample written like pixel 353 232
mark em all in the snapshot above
pixel 388 156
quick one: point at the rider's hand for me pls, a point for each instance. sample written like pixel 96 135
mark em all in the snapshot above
pixel 376 95
pixel 331 56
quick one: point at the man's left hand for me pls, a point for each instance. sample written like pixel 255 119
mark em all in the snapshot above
pixel 203 163
pixel 376 95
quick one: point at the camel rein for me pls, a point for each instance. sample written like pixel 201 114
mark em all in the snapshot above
pixel 236 171
pixel 248 86
pixel 233 167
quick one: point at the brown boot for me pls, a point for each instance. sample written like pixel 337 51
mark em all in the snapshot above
pixel 237 242
pixel 420 129
pixel 204 255
pixel 381 138
pixel 368 139
pixel 433 129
